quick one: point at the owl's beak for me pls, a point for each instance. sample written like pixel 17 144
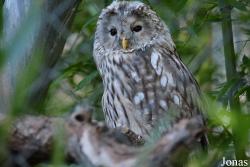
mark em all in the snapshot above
pixel 124 43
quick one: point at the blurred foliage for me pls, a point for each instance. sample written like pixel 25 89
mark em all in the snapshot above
pixel 192 24
pixel 1 32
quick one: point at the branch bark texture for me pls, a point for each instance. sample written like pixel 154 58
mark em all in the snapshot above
pixel 88 141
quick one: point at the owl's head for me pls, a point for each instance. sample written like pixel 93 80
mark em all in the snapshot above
pixel 128 25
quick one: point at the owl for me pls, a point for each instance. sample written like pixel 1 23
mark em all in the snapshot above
pixel 143 76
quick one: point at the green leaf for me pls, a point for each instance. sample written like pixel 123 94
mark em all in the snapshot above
pixel 214 18
pixel 2 58
pixel 246 60
pixel 238 5
pixel 176 6
pixel 87 80
pixel 242 90
pixel 225 89
pixel 245 66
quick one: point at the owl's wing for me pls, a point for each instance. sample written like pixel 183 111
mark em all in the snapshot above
pixel 180 89
pixel 167 83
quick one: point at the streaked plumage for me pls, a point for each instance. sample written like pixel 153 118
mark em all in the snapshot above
pixel 145 78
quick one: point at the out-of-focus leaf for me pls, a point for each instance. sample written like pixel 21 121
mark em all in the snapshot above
pixel 246 31
pixel 214 18
pixel 223 93
pixel 24 82
pixel 241 5
pixel 242 90
pixel 233 88
pixel 245 65
pixel 1 19
pixel 2 57
pixel 2 54
pixel 87 80
pixel 174 5
pixel 246 61
pixel 248 93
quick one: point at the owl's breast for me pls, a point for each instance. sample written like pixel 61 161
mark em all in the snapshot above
pixel 131 80
pixel 140 86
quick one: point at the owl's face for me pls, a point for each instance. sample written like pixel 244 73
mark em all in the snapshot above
pixel 127 25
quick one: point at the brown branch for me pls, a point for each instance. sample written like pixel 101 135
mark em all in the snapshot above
pixel 88 141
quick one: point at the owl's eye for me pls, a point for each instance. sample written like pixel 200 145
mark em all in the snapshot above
pixel 113 31
pixel 137 28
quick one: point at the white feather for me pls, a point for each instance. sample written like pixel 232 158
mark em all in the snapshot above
pixel 163 81
pixel 170 79
pixel 138 97
pixel 176 100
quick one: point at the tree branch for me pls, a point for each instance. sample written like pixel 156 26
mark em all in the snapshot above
pixel 89 141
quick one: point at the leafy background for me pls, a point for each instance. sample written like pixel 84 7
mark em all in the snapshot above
pixel 196 29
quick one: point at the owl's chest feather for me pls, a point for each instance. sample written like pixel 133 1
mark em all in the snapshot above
pixel 139 87
pixel 133 75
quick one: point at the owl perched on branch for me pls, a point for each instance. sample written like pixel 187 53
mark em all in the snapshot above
pixel 142 73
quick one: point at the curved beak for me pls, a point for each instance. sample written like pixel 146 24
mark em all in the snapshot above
pixel 125 43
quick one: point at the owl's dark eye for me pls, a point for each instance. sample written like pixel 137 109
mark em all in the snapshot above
pixel 113 31
pixel 137 28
